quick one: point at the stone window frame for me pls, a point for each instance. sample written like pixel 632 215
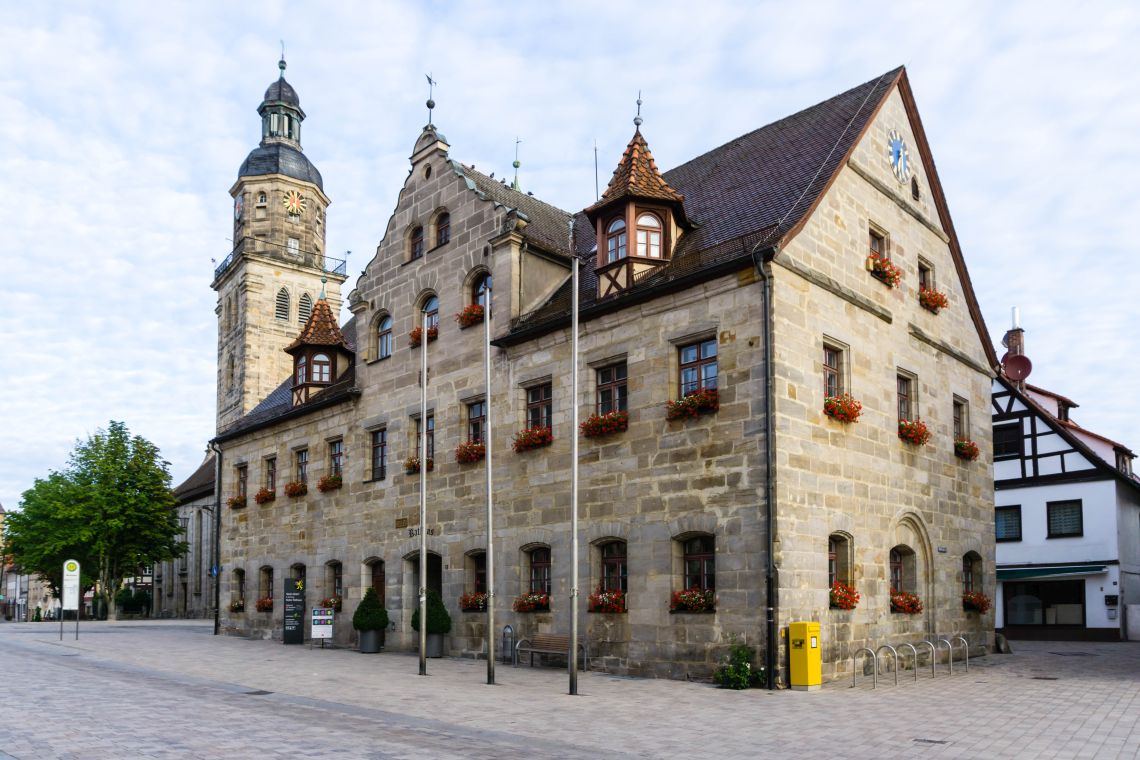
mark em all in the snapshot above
pixel 422 304
pixel 269 472
pixel 960 418
pixel 334 578
pixel 416 245
pixel 538 576
pixel 378 466
pixel 840 558
pixel 304 308
pixel 473 286
pixel 432 429
pixel 241 480
pixel 265 582
pixel 283 305
pixel 906 387
pixel 698 363
pixel 613 566
pixel 440 226
pixel 336 456
pixel 301 464
pixel 381 336
pixel 878 240
pixel 475 571
pixel 843 358
pixel 972 572
pixel 926 274
pixel 618 386
pixel 237 588
pixel 685 552
pixel 539 409
pixel 902 566
pixel 475 426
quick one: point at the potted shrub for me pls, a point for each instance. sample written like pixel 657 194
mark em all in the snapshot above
pixel 968 450
pixel 532 438
pixel 264 496
pixel 470 316
pixel 236 502
pixel 905 602
pixel 703 401
pixel 417 334
pixel 532 601
pixel 470 452
pixel 597 425
pixel 914 431
pixel 412 465
pixel 842 408
pixel 843 597
pixel 976 601
pixel 371 620
pixel 438 623
pixel 932 300
pixel 296 488
pixel 884 269
pixel 693 600
pixel 607 601
pixel 474 602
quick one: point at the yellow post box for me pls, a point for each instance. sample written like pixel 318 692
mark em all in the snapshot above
pixel 806 659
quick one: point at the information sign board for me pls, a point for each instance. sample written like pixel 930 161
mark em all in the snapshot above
pixel 322 627
pixel 294 632
pixel 71 585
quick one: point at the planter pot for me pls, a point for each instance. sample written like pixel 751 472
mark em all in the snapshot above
pixel 371 641
pixel 435 645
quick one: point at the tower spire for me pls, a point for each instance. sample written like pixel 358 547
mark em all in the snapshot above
pixel 281 63
pixel 637 120
pixel 430 103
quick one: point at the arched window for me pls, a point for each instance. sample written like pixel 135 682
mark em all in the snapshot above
pixel 479 290
pixel 322 368
pixel 304 308
pixel 971 572
pixel 649 236
pixel 261 198
pixel 902 569
pixel 297 572
pixel 335 579
pixel 384 338
pixel 540 570
pixel 416 242
pixel 699 563
pixel 475 563
pixel 443 228
pixel 302 371
pixel 615 240
pixel 614 566
pixel 282 309
pixel 431 309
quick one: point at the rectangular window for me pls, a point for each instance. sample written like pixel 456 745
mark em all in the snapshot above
pixel 878 242
pixel 303 466
pixel 1007 441
pixel 337 579
pixel 698 366
pixel 271 473
pixel 614 573
pixel 907 405
pixel 379 454
pixel 832 371
pixel 612 392
pixel 476 420
pixel 430 437
pixel 540 571
pixel 1065 518
pixel 540 406
pixel 1007 523
pixel 293 245
pixel 925 276
pixel 242 480
pixel 479 572
pixel 699 560
pixel 961 420
pixel 336 457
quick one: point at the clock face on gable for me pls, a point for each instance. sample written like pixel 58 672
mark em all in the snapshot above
pixel 294 202
pixel 898 156
pixel 239 205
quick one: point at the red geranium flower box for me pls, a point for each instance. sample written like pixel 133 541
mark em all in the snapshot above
pixel 842 408
pixel 698 402
pixel 914 431
pixel 470 452
pixel 532 438
pixel 470 316
pixel 597 425
pixel 417 334
pixel 967 450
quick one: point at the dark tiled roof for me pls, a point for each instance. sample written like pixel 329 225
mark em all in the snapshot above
pixel 748 192
pixel 636 176
pixel 281 92
pixel 320 330
pixel 199 484
pixel 547 225
pixel 279 158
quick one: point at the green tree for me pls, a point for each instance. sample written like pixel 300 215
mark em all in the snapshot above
pixel 112 509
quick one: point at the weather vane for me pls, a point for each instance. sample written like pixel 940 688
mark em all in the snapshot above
pixel 430 103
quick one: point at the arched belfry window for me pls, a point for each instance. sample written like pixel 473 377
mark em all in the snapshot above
pixel 649 236
pixel 282 309
pixel 615 240
pixel 322 368
pixel 304 308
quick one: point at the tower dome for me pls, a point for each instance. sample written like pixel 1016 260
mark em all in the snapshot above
pixel 280 148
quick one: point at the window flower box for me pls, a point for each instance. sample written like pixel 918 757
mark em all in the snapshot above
pixel 598 425
pixel 914 432
pixel 474 602
pixel 976 601
pixel 905 602
pixel 693 600
pixel 264 604
pixel 470 452
pixel 843 408
pixel 412 465
pixel 843 597
pixel 703 401
pixel 264 496
pixel 417 334
pixel 334 602
pixel 968 450
pixel 932 300
pixel 532 438
pixel 237 605
pixel 470 316
pixel 330 483
pixel 296 488
pixel 532 602
pixel 884 269
pixel 607 601
pixel 236 502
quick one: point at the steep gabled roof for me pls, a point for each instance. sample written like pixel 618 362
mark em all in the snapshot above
pixel 547 226
pixel 636 176
pixel 199 484
pixel 320 330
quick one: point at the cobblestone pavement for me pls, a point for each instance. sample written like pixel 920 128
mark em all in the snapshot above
pixel 169 689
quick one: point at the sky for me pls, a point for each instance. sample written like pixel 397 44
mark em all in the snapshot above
pixel 122 127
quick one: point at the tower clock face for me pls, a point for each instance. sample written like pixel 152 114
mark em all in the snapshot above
pixel 239 206
pixel 898 156
pixel 294 202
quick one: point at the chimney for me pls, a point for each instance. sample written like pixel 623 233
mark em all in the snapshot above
pixel 1014 339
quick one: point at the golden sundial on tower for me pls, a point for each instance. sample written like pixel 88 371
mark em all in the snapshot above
pixel 294 202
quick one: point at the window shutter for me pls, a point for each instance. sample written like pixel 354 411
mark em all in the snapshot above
pixel 282 310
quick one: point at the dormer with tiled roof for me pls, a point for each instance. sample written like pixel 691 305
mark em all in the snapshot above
pixel 637 222
pixel 320 353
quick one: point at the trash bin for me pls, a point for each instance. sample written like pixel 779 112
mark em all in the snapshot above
pixel 805 656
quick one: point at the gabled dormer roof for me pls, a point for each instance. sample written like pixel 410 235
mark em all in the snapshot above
pixel 320 330
pixel 637 176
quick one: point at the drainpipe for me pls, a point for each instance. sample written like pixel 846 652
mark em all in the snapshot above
pixel 771 594
pixel 217 563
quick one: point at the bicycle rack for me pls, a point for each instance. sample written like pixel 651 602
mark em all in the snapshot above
pixel 933 659
pixel 914 654
pixel 874 668
pixel 894 654
pixel 966 646
pixel 949 654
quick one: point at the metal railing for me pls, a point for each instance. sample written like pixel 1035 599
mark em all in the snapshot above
pixel 874 668
pixel 325 263
pixel 934 648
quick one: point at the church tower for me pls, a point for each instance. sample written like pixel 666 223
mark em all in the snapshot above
pixel 269 283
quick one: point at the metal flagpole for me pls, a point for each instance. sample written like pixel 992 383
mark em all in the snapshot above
pixel 490 554
pixel 423 490
pixel 573 658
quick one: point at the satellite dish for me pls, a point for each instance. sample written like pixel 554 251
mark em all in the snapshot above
pixel 1016 367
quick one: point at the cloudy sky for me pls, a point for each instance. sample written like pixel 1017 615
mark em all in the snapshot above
pixel 122 126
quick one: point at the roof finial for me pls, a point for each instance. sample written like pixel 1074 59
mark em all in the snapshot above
pixel 637 119
pixel 430 103
pixel 324 279
pixel 515 185
pixel 281 63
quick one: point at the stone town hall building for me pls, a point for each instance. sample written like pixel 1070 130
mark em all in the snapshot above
pixel 749 279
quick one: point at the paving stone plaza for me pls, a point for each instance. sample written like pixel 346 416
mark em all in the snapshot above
pixel 172 690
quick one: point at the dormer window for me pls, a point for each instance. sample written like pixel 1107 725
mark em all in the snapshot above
pixel 649 236
pixel 615 241
pixel 302 371
pixel 322 368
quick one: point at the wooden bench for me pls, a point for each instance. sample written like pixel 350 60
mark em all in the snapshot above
pixel 553 644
